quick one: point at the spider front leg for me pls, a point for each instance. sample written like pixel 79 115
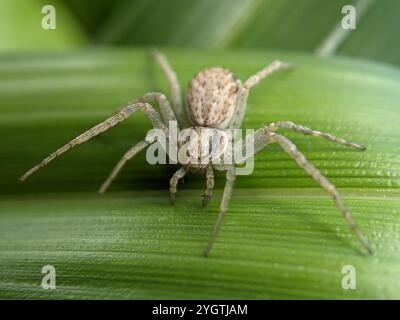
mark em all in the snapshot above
pixel 209 185
pixel 263 137
pixel 243 95
pixel 174 183
pixel 123 114
pixel 226 197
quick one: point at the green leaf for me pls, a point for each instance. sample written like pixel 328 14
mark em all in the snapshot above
pixel 282 237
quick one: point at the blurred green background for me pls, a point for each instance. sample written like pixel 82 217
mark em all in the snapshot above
pixel 283 236
pixel 301 25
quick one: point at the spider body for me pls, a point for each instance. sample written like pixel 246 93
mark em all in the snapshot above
pixel 201 147
pixel 211 97
pixel 210 104
pixel 216 101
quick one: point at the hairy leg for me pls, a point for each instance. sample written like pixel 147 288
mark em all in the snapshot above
pixel 174 85
pixel 248 84
pixel 209 185
pixel 127 156
pixel 262 137
pixel 165 107
pixel 174 182
pixel 301 160
pixel 307 131
pixel 123 114
pixel 230 180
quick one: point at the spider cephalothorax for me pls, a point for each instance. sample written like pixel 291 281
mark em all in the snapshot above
pixel 200 147
pixel 216 103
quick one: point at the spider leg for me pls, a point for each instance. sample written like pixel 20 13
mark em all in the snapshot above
pixel 226 196
pixel 248 84
pixel 127 156
pixel 112 121
pixel 165 107
pixel 174 182
pixel 209 185
pixel 173 83
pixel 301 160
pixel 307 131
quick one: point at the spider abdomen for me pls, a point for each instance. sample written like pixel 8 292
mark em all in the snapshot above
pixel 211 97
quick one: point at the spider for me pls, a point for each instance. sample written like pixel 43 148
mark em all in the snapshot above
pixel 216 99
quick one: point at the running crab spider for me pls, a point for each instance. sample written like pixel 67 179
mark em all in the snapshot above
pixel 215 99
